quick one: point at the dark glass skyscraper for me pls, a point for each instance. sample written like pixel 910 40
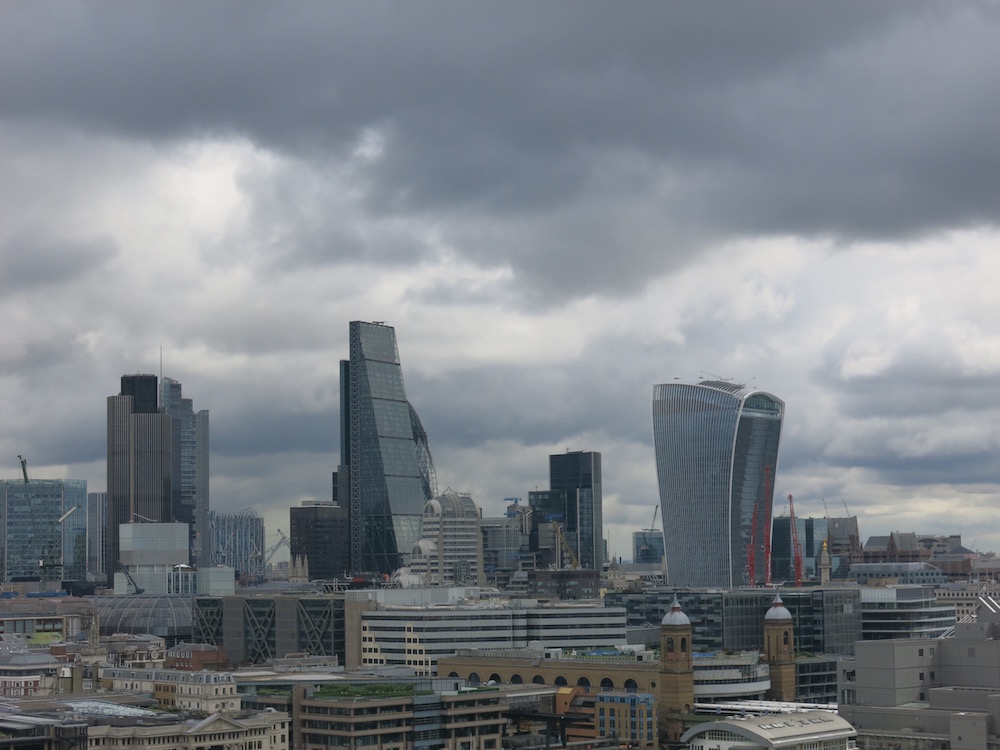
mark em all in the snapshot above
pixel 189 454
pixel 716 447
pixel 575 502
pixel 139 461
pixel 385 459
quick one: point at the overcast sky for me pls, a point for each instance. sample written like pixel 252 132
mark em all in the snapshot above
pixel 556 205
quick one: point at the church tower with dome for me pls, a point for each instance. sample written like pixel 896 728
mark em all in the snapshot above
pixel 676 692
pixel 779 649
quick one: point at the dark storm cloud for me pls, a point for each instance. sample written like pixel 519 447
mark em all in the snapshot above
pixel 840 119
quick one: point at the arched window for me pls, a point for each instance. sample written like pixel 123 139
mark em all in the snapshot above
pixel 561 681
pixel 670 645
pixel 607 684
pixel 537 680
pixel 684 645
pixel 474 678
pixel 583 682
pixel 631 685
pixel 784 637
pixel 453 674
pixel 516 679
pixel 495 679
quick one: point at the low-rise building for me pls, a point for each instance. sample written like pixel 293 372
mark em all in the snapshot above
pixel 802 730
pixel 914 693
pixel 403 716
pixel 903 612
pixel 417 636
pixel 204 692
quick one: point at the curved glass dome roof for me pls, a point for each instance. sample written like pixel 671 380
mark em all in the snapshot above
pixel 166 616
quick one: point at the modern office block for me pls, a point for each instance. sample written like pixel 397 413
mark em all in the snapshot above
pixel 238 542
pixel 940 691
pixel 578 475
pixel 506 539
pixel 45 529
pixel 568 518
pixel 190 499
pixel 140 461
pixel 450 548
pixel 716 447
pixel 647 547
pixel 385 457
pixel 320 533
pixel 97 535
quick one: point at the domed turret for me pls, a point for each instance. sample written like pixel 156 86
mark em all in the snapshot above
pixel 676 615
pixel 778 611
pixel 779 648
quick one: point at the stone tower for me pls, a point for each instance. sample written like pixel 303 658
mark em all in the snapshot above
pixel 779 648
pixel 676 694
pixel 824 565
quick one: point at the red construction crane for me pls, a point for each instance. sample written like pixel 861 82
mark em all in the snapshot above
pixel 752 551
pixel 796 547
pixel 767 525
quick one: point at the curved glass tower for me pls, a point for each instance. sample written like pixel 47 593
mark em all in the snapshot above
pixel 716 449
pixel 384 452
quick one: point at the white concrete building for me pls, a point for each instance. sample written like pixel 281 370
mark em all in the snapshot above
pixel 450 548
pixel 154 560
pixel 417 635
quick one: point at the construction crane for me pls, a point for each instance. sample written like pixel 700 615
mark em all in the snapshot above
pixel 565 546
pixel 752 551
pixel 24 467
pixel 796 547
pixel 767 525
pixel 50 559
pixel 131 580
pixel 282 542
pixel 646 550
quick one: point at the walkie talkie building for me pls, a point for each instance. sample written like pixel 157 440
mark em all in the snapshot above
pixel 384 453
pixel 716 447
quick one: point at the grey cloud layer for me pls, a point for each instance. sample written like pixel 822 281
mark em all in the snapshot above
pixel 595 173
pixel 839 119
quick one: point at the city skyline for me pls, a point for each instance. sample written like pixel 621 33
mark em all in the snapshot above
pixel 554 210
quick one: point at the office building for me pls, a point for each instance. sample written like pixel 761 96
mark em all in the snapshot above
pixel 385 460
pixel 927 692
pixel 97 535
pixel 238 543
pixel 153 560
pixel 827 619
pixel 716 446
pixel 45 529
pixel 416 635
pixel 889 612
pixel 140 461
pixel 567 519
pixel 403 715
pixel 647 547
pixel 255 629
pixel 320 534
pixel 450 548
pixel 507 539
pixel 189 453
